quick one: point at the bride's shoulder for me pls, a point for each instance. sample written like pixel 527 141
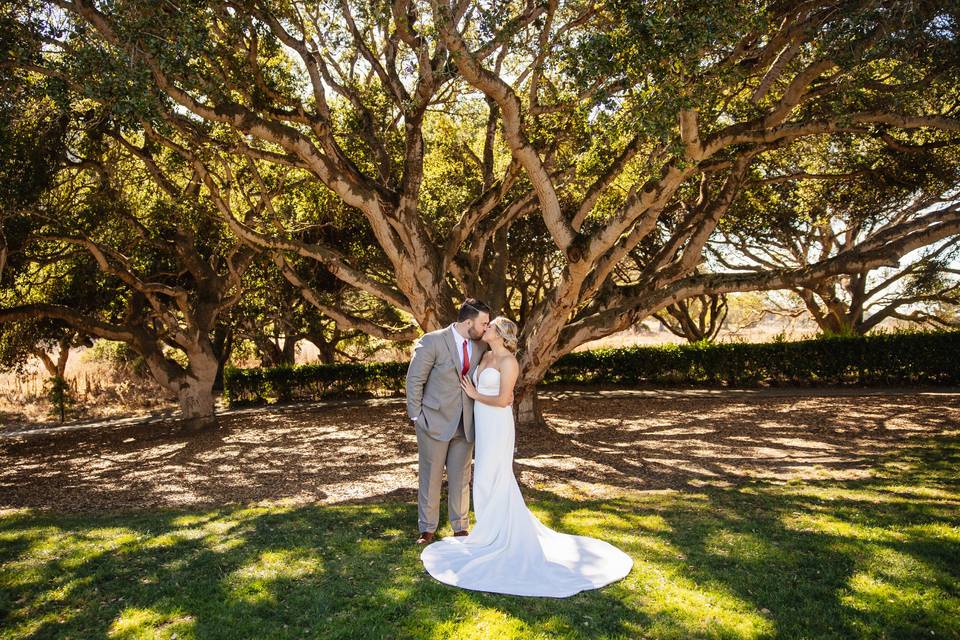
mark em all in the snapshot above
pixel 508 362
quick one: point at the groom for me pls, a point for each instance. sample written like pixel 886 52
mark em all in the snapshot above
pixel 443 416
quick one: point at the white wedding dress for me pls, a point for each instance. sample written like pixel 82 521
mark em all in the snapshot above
pixel 509 550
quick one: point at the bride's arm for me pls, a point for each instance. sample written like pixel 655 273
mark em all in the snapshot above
pixel 509 372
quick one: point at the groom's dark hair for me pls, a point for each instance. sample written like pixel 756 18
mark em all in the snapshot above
pixel 471 308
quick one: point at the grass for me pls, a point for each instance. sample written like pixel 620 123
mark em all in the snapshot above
pixel 875 558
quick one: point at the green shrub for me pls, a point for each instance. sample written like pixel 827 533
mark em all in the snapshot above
pixel 313 382
pixel 885 358
pixel 59 394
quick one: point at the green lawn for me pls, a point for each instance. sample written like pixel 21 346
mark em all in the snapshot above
pixel 876 558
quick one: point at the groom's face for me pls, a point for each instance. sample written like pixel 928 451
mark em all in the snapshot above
pixel 478 325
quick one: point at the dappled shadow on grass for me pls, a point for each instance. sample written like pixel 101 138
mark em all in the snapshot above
pixel 876 557
pixel 869 557
pixel 336 572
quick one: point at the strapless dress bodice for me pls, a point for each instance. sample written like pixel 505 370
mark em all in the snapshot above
pixel 488 382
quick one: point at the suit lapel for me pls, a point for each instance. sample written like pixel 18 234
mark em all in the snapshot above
pixel 478 347
pixel 452 346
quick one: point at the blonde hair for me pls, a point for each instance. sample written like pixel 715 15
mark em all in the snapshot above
pixel 507 330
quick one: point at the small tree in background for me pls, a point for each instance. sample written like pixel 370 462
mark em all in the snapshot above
pixel 698 319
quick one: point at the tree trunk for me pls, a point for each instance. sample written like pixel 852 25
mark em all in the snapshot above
pixel 58 368
pixel 196 401
pixel 196 390
pixel 193 386
pixel 63 355
pixel 47 361
pixel 288 354
pixel 272 354
pixel 529 414
pixel 326 352
pixel 223 346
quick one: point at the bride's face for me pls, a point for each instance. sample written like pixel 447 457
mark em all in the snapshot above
pixel 490 335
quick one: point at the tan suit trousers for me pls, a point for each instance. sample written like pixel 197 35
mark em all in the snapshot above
pixel 455 455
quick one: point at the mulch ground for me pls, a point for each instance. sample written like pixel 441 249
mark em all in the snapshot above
pixel 345 454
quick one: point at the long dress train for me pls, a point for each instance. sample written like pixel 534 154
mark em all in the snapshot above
pixel 509 550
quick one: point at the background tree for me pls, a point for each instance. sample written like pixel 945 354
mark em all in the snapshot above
pixel 274 317
pixel 165 269
pixel 821 199
pixel 697 319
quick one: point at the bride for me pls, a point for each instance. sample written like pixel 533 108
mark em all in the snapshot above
pixel 509 550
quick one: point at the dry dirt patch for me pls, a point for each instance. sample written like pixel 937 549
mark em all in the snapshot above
pixel 359 453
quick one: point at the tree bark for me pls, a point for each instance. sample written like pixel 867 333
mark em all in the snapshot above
pixel 223 345
pixel 529 412
pixel 192 386
pixel 196 400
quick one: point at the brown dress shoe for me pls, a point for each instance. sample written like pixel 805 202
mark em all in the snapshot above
pixel 426 537
pixel 458 534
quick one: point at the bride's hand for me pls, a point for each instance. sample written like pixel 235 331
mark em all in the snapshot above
pixel 468 387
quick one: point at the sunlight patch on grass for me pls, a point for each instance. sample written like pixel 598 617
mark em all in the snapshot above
pixel 901 602
pixel 922 492
pixel 62 590
pixel 225 545
pixel 934 531
pixel 481 623
pixel 396 594
pixel 651 546
pixel 192 520
pixel 253 582
pixel 899 567
pixel 830 525
pixel 174 538
pixel 741 546
pixel 371 546
pixel 680 608
pixel 72 549
pixel 654 523
pixel 136 623
pixel 886 494
pixel 592 522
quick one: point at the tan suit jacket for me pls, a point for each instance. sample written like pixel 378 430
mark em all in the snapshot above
pixel 434 395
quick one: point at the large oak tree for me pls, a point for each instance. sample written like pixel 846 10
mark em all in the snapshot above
pixel 621 132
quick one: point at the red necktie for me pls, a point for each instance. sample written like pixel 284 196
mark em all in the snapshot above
pixel 466 360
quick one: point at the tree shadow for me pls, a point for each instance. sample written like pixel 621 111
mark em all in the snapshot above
pixel 824 559
pixel 346 454
pixel 828 559
pixel 332 572
pixel 328 454
pixel 688 443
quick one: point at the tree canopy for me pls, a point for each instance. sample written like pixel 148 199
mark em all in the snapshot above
pixel 567 161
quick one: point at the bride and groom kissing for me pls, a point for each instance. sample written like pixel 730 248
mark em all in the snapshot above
pixel 459 396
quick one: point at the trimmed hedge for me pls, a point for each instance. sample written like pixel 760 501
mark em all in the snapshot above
pixel 312 382
pixel 890 358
